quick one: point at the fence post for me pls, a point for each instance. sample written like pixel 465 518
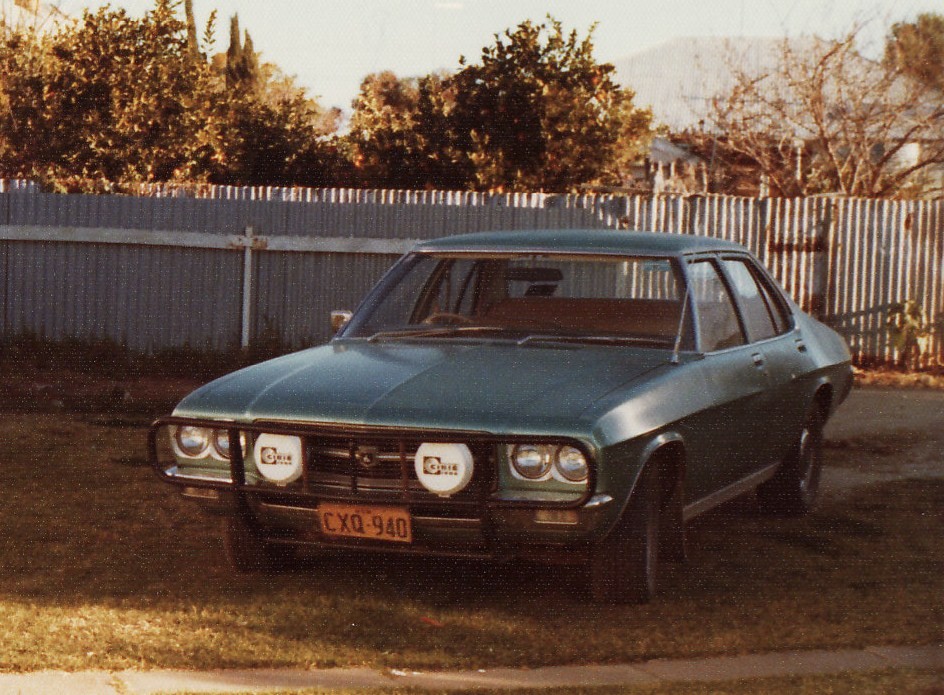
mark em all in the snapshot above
pixel 246 315
pixel 822 250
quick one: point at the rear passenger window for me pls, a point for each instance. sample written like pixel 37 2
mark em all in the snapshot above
pixel 777 311
pixel 718 326
pixel 758 319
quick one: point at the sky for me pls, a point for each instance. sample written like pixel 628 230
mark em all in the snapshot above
pixel 330 45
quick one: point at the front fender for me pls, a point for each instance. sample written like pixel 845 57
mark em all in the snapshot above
pixel 621 468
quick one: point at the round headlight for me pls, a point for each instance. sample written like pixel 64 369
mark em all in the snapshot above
pixel 221 443
pixel 571 464
pixel 530 461
pixel 192 440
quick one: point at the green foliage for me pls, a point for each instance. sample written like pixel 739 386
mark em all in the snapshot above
pixel 383 130
pixel 113 100
pixel 537 113
pixel 917 49
pixel 260 143
pixel 909 331
pixel 109 99
pixel 242 63
pixel 400 136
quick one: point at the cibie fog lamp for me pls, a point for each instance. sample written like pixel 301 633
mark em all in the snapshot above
pixel 443 469
pixel 278 458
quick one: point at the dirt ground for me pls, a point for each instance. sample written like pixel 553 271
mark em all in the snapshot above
pixel 883 434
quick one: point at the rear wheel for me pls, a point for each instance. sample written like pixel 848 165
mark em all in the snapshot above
pixel 795 487
pixel 623 567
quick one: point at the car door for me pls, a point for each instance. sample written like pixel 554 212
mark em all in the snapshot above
pixel 725 436
pixel 770 328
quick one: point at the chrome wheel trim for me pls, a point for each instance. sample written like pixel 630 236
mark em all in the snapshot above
pixel 807 461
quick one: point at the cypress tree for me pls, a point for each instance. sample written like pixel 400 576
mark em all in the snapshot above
pixel 242 64
pixel 192 45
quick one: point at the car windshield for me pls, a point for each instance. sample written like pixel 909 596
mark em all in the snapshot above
pixel 525 297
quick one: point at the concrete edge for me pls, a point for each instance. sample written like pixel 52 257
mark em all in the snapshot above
pixel 722 668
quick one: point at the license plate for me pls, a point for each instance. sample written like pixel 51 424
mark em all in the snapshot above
pixel 355 521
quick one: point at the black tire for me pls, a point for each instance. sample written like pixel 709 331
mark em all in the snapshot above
pixel 624 566
pixel 795 487
pixel 247 551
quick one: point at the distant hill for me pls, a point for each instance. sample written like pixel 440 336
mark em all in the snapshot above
pixel 679 79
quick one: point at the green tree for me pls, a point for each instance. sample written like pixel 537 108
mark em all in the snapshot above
pixel 540 113
pixel 242 63
pixel 268 130
pixel 399 136
pixel 273 144
pixel 111 99
pixel 917 49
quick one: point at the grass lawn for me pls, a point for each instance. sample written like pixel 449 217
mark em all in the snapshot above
pixel 104 567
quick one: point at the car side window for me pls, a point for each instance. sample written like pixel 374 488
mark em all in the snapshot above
pixel 755 310
pixel 718 325
pixel 451 290
pixel 777 309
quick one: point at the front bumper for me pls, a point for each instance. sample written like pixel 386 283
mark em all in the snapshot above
pixel 483 520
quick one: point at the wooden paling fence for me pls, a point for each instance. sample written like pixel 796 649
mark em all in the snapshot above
pixel 215 267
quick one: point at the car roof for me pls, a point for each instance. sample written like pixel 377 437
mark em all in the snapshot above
pixel 602 241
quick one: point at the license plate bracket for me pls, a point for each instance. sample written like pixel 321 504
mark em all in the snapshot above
pixel 368 521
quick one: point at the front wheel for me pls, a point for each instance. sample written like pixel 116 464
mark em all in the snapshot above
pixel 794 488
pixel 623 567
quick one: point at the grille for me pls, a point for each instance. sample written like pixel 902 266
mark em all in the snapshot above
pixel 364 464
pixel 368 460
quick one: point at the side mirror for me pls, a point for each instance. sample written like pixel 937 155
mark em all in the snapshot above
pixel 339 318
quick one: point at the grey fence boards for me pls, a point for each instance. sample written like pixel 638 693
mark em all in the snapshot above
pixel 146 297
pixel 846 260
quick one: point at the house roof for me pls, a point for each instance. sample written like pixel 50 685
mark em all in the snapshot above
pixel 663 152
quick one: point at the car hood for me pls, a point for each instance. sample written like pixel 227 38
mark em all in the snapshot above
pixel 540 388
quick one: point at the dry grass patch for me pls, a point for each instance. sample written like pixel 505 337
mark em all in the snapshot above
pixel 928 378
pixel 103 567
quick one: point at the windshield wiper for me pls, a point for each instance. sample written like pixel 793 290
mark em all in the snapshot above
pixel 430 332
pixel 600 339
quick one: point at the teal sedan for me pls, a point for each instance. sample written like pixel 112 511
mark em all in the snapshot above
pixel 569 396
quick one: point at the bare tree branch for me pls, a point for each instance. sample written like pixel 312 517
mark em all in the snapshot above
pixel 829 120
